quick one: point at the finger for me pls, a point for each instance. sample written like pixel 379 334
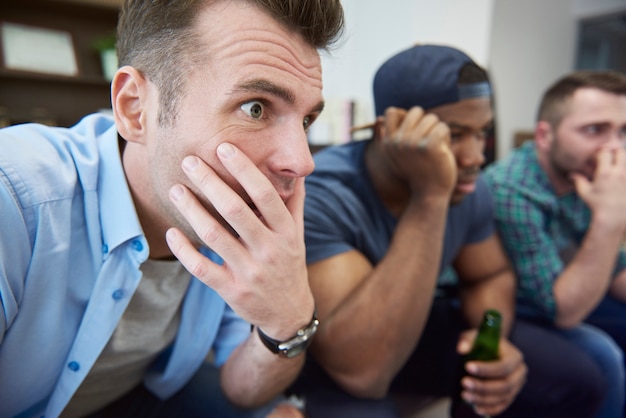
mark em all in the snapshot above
pixel 581 184
pixel 441 131
pixel 488 369
pixel 417 126
pixel 226 202
pixel 604 159
pixel 393 119
pixel 502 386
pixel 295 206
pixel 491 410
pixel 209 230
pixel 466 339
pixel 510 359
pixel 200 266
pixel 489 394
pixel 620 157
pixel 264 195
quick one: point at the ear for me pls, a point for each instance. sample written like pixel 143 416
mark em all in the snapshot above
pixel 129 91
pixel 543 134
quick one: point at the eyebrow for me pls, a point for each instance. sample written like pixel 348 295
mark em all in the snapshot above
pixel 264 86
pixel 602 124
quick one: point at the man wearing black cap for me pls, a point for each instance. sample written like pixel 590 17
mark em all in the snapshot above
pixel 403 260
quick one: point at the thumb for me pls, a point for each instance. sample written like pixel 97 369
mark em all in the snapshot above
pixel 581 184
pixel 466 339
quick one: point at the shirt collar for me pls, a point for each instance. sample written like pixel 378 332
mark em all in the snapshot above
pixel 117 212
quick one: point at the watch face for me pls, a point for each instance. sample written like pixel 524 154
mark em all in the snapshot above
pixel 300 342
pixel 294 351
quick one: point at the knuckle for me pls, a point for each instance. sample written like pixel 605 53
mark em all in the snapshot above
pixel 232 209
pixel 202 179
pixel 209 234
pixel 198 269
pixel 266 197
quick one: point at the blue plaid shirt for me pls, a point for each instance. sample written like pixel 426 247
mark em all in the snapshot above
pixel 540 231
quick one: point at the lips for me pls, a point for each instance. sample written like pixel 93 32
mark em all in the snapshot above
pixel 466 185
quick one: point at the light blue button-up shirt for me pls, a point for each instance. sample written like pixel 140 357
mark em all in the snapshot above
pixel 70 250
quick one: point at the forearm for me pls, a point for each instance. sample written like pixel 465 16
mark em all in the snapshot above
pixel 253 375
pixel 369 335
pixel 586 279
pixel 494 292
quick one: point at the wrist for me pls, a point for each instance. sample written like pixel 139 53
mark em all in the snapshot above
pixel 294 345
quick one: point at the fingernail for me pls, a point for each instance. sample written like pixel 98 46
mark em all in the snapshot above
pixel 190 163
pixel 226 150
pixel 176 192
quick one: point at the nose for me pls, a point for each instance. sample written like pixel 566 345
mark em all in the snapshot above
pixel 471 151
pixel 293 156
pixel 617 139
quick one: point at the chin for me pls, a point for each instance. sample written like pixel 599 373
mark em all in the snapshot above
pixel 456 198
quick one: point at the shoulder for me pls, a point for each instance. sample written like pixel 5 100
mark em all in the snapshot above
pixel 339 171
pixel 41 163
pixel 479 202
pixel 512 167
pixel 472 219
pixel 519 181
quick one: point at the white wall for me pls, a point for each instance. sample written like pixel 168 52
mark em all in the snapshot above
pixel 376 30
pixel 533 43
pixel 525 44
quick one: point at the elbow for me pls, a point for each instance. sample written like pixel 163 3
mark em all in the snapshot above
pixel 566 323
pixel 564 320
pixel 369 385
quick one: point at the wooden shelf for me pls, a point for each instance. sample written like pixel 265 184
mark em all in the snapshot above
pixel 93 80
pixel 63 100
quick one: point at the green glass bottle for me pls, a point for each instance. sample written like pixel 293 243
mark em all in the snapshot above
pixel 485 347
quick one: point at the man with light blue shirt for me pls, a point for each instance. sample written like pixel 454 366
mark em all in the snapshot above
pixel 104 224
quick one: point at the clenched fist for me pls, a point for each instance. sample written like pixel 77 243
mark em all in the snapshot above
pixel 417 147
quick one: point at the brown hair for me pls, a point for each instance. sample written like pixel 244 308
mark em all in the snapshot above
pixel 554 102
pixel 157 37
pixel 472 73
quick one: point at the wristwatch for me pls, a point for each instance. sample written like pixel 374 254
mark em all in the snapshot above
pixel 294 345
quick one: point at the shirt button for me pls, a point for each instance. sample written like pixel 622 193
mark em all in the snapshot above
pixel 137 245
pixel 105 248
pixel 118 294
pixel 73 366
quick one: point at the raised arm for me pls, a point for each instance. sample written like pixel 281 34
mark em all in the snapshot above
pixel 588 276
pixel 263 278
pixel 373 315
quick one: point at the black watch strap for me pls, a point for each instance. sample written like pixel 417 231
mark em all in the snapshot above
pixel 294 345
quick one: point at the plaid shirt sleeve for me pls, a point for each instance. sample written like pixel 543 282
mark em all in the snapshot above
pixel 521 213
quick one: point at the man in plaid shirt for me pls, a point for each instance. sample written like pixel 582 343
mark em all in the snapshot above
pixel 560 208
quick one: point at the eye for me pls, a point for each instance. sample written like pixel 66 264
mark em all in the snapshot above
pixel 306 123
pixel 254 109
pixel 456 136
pixel 593 129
